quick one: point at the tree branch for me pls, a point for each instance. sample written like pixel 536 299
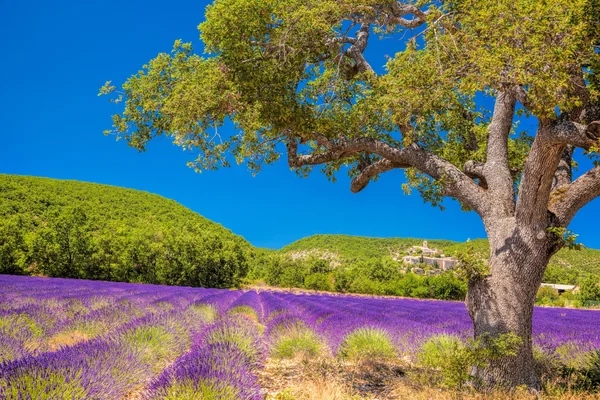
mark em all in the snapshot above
pixel 399 11
pixel 474 170
pixel 358 47
pixel 496 169
pixel 365 176
pixel 564 131
pixel 564 173
pixel 567 200
pixel 456 184
pixel 537 178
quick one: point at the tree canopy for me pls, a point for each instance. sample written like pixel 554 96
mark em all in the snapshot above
pixel 296 73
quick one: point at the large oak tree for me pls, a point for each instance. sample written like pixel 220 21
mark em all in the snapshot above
pixel 295 77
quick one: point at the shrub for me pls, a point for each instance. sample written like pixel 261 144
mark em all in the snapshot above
pixel 296 341
pixel 365 285
pixel 420 292
pixel 455 358
pixel 367 344
pixel 449 354
pixel 590 289
pixel 546 295
pixel 447 287
pixel 246 311
pixel 205 311
pixel 318 281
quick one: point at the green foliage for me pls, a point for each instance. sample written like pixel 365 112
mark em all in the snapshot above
pixel 448 353
pixel 565 238
pixel 470 264
pixel 279 71
pixel 318 281
pixel 447 287
pixel 454 358
pixel 590 289
pixel 83 230
pixel 205 389
pixel 296 340
pixel 546 296
pixel 367 344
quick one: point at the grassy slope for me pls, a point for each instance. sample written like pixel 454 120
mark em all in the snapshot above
pixel 37 197
pixel 578 263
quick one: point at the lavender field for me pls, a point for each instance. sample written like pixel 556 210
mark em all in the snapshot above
pixel 74 339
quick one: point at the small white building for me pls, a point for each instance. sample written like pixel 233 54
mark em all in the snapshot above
pixel 561 288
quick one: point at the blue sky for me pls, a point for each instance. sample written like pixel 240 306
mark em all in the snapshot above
pixel 57 54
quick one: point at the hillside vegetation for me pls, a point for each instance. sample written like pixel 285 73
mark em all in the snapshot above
pixel 568 266
pixel 85 230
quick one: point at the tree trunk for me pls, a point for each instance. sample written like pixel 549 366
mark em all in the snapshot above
pixel 502 302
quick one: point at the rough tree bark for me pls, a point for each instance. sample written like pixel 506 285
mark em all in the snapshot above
pixel 502 302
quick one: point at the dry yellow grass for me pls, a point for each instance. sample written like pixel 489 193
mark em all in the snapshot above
pixel 326 378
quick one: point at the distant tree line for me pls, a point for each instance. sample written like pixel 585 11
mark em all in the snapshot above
pixel 381 276
pixel 79 230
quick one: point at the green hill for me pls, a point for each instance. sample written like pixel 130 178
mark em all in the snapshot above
pixel 568 266
pixel 85 230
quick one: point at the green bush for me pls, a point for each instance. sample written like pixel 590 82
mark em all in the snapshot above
pixel 447 287
pixel 420 292
pixel 548 293
pixel 365 285
pixel 590 289
pixel 451 355
pixel 296 341
pixel 367 344
pixel 455 358
pixel 318 281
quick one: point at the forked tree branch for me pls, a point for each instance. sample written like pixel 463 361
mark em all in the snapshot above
pixel 355 51
pixel 566 132
pixel 373 170
pixel 564 173
pixel 400 11
pixel 455 183
pixel 496 169
pixel 567 200
pixel 474 170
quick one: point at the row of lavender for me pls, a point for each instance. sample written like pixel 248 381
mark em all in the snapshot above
pixel 78 339
pixel 411 321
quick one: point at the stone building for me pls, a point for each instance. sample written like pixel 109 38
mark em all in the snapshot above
pixel 425 255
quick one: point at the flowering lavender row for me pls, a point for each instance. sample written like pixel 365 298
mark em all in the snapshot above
pixel 411 321
pixel 221 362
pixel 155 328
pixel 62 338
pixel 57 319
pixel 144 347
